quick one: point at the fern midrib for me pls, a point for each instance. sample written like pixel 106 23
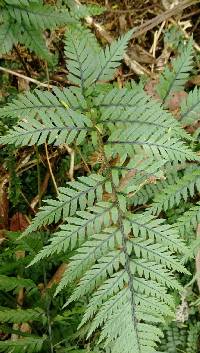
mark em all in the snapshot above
pixel 124 246
pixel 137 142
pixel 139 122
pixel 41 130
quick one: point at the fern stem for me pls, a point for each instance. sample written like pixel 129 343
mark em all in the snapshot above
pixel 124 245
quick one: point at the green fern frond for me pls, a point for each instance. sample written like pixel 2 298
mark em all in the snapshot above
pixel 28 345
pixel 149 190
pixel 7 37
pixel 135 109
pixel 10 283
pixel 190 107
pixel 189 220
pixel 156 147
pixel 193 338
pixel 20 316
pixel 147 227
pixel 37 16
pixel 80 59
pixel 172 195
pixel 31 103
pixel 33 39
pixel 51 128
pixel 124 264
pixel 110 58
pixel 174 340
pixel 174 80
pixel 77 229
pixel 81 193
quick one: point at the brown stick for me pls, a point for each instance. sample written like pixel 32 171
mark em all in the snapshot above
pixel 14 73
pixel 143 28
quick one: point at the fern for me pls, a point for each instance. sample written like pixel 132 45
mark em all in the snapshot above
pixel 19 316
pixel 29 345
pixel 124 260
pixel 190 107
pixel 174 80
pixel 9 283
pixel 23 21
pixel 189 220
pixel 172 195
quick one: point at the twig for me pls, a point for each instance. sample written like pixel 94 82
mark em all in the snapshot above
pixel 143 28
pixel 14 73
pixel 50 169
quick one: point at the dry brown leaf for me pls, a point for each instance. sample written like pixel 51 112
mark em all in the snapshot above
pixel 18 222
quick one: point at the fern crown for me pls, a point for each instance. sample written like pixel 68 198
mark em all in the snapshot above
pixel 125 258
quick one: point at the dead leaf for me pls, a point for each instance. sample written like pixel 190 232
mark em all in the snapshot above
pixel 18 222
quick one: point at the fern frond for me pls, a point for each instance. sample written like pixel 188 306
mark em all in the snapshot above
pixel 33 39
pixel 110 58
pixel 189 220
pixel 148 192
pixel 156 147
pixel 29 345
pixel 134 109
pixel 174 80
pixel 20 316
pixel 190 107
pixel 174 339
pixel 81 59
pixel 7 37
pixel 77 229
pixel 38 16
pixel 81 193
pixel 51 128
pixel 172 195
pixel 98 265
pixel 10 283
pixel 193 338
pixel 32 103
